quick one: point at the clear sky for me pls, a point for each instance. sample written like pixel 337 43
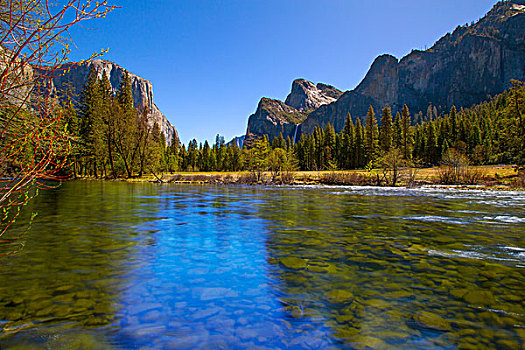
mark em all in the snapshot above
pixel 211 61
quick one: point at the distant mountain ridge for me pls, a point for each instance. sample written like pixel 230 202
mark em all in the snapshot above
pixel 462 68
pixel 75 79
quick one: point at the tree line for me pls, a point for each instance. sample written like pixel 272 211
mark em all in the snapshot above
pixel 492 132
pixel 115 140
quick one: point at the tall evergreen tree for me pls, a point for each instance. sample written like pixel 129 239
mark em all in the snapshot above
pixel 359 145
pixel 371 136
pixel 454 124
pixel 386 130
pixel 431 147
pixel 108 117
pixel 348 140
pixel 406 139
pixel 397 132
pixel 91 124
pixel 329 151
pixel 126 129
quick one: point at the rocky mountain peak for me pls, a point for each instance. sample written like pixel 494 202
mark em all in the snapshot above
pixel 381 81
pixel 504 22
pixel 306 96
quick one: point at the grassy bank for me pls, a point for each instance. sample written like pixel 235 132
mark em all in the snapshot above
pixel 504 176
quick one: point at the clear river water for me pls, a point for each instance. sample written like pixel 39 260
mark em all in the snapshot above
pixel 110 265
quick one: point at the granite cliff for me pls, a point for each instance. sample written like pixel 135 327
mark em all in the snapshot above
pixel 142 90
pixel 273 116
pixel 462 68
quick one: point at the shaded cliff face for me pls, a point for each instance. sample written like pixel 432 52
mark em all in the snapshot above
pixel 273 116
pixel 461 69
pixel 142 90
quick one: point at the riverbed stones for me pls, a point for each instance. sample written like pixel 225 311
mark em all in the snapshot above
pixel 204 313
pixel 430 320
pixel 368 343
pixel 340 296
pixel 346 283
pixel 479 297
pixel 458 293
pixel 217 293
pixel 293 262
pixel 150 316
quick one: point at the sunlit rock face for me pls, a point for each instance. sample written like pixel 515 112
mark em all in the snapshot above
pixel 74 80
pixel 462 68
pixel 306 96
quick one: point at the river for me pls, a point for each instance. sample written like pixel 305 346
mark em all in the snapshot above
pixel 144 266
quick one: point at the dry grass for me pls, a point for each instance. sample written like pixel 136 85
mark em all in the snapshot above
pixel 484 175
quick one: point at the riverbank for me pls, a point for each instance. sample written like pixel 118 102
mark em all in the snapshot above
pixel 501 176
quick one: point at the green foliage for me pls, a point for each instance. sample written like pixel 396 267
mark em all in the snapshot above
pixel 394 166
pixel 113 139
pixel 371 136
pixel 489 133
pixel 386 130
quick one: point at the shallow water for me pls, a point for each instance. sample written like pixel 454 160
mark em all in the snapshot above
pixel 130 266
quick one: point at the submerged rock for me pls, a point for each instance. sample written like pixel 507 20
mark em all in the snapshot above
pixel 340 296
pixel 479 298
pixel 430 320
pixel 292 262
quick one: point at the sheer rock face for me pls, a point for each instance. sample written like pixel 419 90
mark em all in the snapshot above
pixel 142 90
pixel 461 69
pixel 273 117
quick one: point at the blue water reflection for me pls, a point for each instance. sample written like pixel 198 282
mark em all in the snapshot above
pixel 130 266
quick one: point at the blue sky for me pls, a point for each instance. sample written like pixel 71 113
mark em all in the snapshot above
pixel 211 61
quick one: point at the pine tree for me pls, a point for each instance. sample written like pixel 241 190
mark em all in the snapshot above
pixel 126 129
pixel 220 149
pixel 107 117
pixel 329 145
pixel 371 136
pixel 318 148
pixel 386 131
pixel 397 132
pixel 454 124
pixel 206 154
pixel 183 158
pixel 193 154
pixel 91 124
pixel 405 132
pixel 359 146
pixel 347 152
pixel 431 149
